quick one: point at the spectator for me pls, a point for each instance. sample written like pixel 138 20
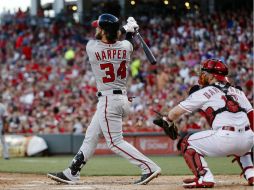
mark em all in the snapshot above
pixel 44 65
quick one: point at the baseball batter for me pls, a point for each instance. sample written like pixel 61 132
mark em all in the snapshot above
pixel 109 60
pixel 230 115
pixel 5 152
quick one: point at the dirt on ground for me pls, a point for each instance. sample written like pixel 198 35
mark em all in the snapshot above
pixel 38 182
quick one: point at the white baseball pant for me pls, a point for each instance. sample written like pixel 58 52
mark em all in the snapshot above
pixel 223 143
pixel 5 151
pixel 108 121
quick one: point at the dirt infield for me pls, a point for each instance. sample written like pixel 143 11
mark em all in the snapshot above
pixel 41 182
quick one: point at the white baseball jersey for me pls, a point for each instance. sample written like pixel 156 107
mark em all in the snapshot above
pixel 212 97
pixel 5 150
pixel 109 63
pixel 2 113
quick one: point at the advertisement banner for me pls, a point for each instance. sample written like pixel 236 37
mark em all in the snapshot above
pixel 20 146
pixel 156 145
pixel 153 145
pixel 16 145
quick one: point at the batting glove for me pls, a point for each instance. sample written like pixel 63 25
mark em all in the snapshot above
pixel 130 27
pixel 133 22
pixel 131 19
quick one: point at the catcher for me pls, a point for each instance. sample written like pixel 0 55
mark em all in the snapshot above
pixel 230 116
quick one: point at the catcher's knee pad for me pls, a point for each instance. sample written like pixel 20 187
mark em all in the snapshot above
pixel 77 163
pixel 246 164
pixel 192 158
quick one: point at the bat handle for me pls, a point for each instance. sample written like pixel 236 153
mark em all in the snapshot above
pixel 136 32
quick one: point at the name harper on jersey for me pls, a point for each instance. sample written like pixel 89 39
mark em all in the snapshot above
pixel 110 54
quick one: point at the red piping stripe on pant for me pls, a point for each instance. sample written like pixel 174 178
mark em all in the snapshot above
pixel 116 145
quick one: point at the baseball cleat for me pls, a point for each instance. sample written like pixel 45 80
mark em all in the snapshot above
pixel 61 178
pixel 194 183
pixel 146 178
pixel 251 181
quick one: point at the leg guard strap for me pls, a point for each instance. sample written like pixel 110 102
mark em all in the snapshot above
pixel 77 163
pixel 244 169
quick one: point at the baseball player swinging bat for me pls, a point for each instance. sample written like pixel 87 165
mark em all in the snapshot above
pixel 146 49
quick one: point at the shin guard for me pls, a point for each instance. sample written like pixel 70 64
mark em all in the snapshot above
pixel 193 159
pixel 245 162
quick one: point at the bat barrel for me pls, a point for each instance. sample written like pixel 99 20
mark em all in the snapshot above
pixel 146 49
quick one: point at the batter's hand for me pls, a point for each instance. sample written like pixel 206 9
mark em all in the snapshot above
pixel 131 27
pixel 133 22
pixel 131 19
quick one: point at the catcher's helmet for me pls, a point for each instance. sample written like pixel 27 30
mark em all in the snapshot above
pixel 217 68
pixel 107 22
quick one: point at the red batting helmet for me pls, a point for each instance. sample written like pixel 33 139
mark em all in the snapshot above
pixel 217 68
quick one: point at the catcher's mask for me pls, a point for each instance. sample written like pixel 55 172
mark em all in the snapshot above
pixel 215 67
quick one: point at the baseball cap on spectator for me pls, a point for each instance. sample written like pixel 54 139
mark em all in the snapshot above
pixel 249 84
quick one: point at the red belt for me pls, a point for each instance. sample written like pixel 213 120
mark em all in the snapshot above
pixel 231 128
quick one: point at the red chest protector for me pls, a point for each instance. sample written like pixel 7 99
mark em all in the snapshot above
pixel 231 105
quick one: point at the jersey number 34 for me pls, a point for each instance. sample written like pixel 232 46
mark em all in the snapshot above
pixel 110 72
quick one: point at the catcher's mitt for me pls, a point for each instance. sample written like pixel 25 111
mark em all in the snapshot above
pixel 169 127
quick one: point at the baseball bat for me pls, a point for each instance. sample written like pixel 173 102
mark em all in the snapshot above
pixel 146 49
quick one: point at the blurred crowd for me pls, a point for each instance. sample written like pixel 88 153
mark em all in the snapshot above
pixel 48 87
